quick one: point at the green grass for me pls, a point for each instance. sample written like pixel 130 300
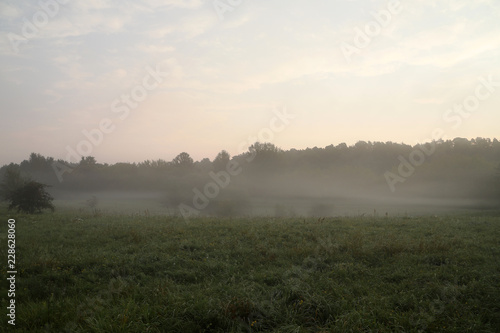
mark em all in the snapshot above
pixel 160 274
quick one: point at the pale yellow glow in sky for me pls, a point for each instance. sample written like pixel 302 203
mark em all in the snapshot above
pixel 156 78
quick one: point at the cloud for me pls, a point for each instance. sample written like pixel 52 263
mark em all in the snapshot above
pixel 188 4
pixel 182 28
pixel 91 52
pixel 8 11
pixel 426 101
pixel 155 48
pixel 55 95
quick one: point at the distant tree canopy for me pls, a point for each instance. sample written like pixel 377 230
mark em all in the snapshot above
pixel 183 160
pixel 221 160
pixel 88 161
pixel 264 149
pixel 25 195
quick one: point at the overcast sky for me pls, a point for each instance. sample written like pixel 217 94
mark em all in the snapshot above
pixel 163 77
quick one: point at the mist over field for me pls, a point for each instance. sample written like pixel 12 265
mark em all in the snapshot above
pixel 372 179
pixel 235 108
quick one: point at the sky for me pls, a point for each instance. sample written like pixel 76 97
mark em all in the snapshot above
pixel 128 81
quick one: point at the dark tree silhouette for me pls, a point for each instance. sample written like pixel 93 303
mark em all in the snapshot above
pixel 31 198
pixel 183 160
pixel 88 161
pixel 221 161
pixel 265 148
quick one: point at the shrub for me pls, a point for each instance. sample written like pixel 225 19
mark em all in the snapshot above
pixel 30 198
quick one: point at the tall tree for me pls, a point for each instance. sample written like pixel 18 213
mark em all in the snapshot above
pixel 221 161
pixel 183 160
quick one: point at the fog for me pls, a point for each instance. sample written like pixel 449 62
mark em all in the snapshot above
pixel 366 179
pixel 286 205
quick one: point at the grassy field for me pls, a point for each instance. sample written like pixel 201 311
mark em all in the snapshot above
pixel 138 273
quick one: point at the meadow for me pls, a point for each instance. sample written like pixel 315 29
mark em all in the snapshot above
pixel 96 272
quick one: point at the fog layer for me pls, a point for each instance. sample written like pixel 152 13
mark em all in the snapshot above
pixel 364 179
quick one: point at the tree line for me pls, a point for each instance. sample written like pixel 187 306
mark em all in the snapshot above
pixel 454 168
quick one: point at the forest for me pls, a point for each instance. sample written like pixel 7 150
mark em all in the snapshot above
pixel 268 180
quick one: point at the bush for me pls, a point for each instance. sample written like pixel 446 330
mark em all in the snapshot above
pixel 31 198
